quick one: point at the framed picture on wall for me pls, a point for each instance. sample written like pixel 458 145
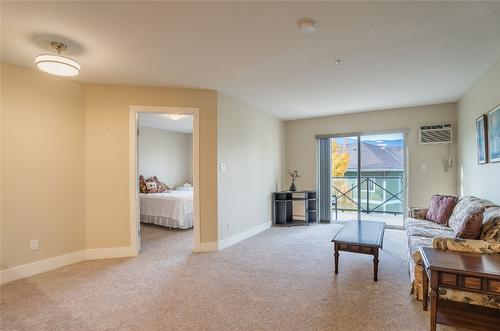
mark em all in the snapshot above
pixel 494 134
pixel 482 139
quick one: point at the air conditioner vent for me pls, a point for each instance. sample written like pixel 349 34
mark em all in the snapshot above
pixel 436 134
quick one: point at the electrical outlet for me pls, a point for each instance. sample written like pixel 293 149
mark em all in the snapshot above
pixel 34 244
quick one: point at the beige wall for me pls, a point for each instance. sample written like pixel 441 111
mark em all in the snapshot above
pixel 251 144
pixel 165 154
pixel 475 179
pixel 107 157
pixel 42 165
pixel 301 146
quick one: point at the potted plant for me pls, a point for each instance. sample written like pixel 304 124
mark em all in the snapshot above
pixel 294 173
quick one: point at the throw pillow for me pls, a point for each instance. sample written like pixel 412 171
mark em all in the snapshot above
pixel 160 185
pixel 151 186
pixel 142 185
pixel 471 227
pixel 441 208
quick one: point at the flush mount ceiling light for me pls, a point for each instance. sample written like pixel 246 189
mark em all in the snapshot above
pixel 56 64
pixel 308 26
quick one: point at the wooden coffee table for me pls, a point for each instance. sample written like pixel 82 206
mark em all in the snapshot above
pixel 472 272
pixel 364 237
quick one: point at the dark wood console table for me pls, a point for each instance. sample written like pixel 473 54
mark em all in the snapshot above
pixel 283 207
pixel 470 272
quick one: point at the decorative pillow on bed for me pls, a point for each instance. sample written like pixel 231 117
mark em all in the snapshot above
pixel 151 186
pixel 160 185
pixel 441 208
pixel 143 188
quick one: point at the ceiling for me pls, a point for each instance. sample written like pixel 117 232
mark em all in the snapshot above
pixel 162 121
pixel 396 54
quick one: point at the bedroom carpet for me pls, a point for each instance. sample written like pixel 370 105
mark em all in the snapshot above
pixel 281 279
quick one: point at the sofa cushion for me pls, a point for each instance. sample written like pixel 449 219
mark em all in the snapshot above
pixel 464 208
pixel 414 243
pixel 430 232
pixel 414 222
pixel 491 224
pixel 471 227
pixel 441 208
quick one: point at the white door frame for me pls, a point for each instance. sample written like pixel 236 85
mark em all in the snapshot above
pixel 134 175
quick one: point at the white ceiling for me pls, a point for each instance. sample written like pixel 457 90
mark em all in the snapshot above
pixel 162 121
pixel 395 54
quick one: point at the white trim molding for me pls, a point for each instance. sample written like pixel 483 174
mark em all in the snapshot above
pixel 206 247
pixel 34 268
pixel 134 111
pixel 243 235
pixel 110 253
pixel 38 267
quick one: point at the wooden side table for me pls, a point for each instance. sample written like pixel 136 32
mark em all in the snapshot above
pixel 471 272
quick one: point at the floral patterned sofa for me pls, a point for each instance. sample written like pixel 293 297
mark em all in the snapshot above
pixel 420 232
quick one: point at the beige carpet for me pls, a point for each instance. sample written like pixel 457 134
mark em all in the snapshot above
pixel 281 279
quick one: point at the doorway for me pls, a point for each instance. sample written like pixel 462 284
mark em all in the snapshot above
pixel 367 177
pixel 164 198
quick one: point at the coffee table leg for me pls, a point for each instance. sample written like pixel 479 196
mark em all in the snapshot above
pixel 336 258
pixel 425 289
pixel 375 264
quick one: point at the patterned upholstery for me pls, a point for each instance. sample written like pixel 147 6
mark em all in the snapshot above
pixel 465 207
pixel 491 224
pixel 160 186
pixel 142 185
pixel 467 245
pixel 418 213
pixel 420 232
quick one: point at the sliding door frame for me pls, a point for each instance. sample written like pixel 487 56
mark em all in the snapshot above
pixel 358 136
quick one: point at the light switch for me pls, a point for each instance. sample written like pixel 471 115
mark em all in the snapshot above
pixel 222 167
pixel 423 167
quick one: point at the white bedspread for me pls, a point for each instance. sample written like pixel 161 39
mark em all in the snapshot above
pixel 173 209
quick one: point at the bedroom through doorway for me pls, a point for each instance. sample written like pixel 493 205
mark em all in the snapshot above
pixel 165 178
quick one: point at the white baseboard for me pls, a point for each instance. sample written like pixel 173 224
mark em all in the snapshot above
pixel 33 268
pixel 243 235
pixel 206 247
pixel 109 253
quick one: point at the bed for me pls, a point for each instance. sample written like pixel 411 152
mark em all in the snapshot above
pixel 172 209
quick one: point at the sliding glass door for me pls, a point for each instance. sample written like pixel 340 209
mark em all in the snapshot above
pixel 345 189
pixel 366 176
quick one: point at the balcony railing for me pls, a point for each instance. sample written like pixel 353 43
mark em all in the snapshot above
pixel 379 194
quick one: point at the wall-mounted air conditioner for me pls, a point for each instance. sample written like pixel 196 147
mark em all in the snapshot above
pixel 436 134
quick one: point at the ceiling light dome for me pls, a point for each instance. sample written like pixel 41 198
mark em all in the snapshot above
pixel 56 64
pixel 308 26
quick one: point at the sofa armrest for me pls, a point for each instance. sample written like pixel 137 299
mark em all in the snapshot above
pixel 467 245
pixel 418 213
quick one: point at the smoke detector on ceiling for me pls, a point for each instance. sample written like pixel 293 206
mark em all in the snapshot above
pixel 308 26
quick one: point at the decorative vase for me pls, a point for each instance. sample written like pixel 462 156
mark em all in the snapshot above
pixel 292 187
